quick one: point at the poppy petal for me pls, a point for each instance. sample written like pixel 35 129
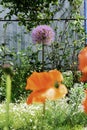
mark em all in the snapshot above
pixel 36 96
pixel 38 81
pixel 82 57
pixel 56 93
pixel 56 76
pixel 83 78
pixel 84 103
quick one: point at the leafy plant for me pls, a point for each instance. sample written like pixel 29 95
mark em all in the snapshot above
pixel 29 10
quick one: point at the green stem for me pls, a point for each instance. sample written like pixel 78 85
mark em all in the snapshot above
pixel 44 105
pixel 43 116
pixel 8 98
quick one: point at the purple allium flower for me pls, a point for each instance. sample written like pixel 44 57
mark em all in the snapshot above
pixel 43 34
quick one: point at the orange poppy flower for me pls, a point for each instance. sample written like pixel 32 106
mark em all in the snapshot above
pixel 85 102
pixel 82 57
pixel 45 85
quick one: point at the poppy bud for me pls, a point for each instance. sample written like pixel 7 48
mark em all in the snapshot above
pixel 8 68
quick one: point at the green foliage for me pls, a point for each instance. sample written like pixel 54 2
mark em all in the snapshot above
pixel 75 98
pixel 31 13
pixel 76 93
pixel 29 10
pixel 75 3
pixel 24 63
pixel 6 55
pixel 68 79
pixel 70 38
pixel 57 116
pixel 68 43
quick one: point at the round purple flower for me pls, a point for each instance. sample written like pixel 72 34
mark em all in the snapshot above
pixel 43 34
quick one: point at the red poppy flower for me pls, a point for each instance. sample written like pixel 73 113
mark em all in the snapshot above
pixel 45 85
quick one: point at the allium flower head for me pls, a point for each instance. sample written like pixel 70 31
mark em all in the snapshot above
pixel 43 34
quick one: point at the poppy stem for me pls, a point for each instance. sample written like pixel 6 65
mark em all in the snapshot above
pixel 42 56
pixel 43 115
pixel 44 105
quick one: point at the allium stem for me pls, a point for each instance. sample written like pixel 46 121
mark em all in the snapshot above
pixel 8 97
pixel 42 57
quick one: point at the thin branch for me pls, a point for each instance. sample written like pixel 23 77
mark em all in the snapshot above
pixel 59 19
